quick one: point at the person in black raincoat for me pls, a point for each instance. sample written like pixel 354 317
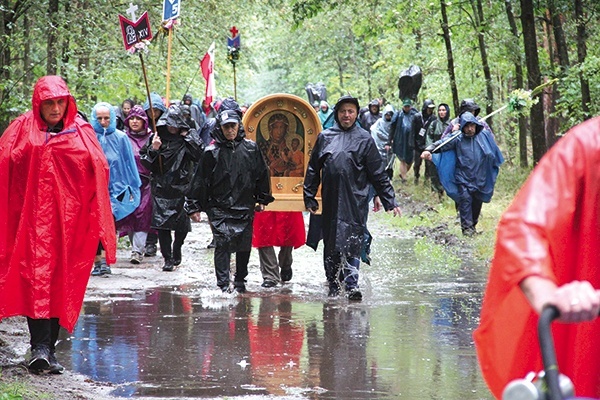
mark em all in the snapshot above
pixel 420 124
pixel 171 156
pixel 468 169
pixel 369 117
pixel 231 180
pixel 346 160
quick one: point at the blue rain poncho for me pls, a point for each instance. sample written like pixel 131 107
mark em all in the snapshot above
pixel 124 184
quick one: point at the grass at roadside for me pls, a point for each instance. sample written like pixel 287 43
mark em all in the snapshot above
pixel 19 390
pixel 510 179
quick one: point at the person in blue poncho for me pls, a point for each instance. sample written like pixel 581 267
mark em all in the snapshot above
pixel 124 184
pixel 468 164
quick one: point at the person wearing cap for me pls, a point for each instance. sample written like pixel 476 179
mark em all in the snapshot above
pixel 171 156
pixel 54 210
pixel 231 182
pixel 420 124
pixel 368 118
pixel 403 137
pixel 346 161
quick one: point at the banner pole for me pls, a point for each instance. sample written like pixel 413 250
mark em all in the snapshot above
pixel 234 84
pixel 169 64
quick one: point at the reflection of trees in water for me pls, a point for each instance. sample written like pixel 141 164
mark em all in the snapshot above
pixel 161 342
pixel 454 321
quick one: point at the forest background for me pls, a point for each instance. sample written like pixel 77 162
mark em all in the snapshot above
pixel 480 49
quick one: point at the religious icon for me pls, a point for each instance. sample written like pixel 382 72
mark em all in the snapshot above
pixel 285 128
pixel 281 139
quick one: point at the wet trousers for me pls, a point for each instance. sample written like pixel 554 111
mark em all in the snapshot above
pixel 43 332
pixel 165 239
pixel 469 208
pixel 138 241
pixel 270 263
pixel 417 164
pixel 431 171
pixel 222 266
pixel 339 267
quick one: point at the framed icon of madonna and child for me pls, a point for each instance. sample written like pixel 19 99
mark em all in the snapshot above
pixel 285 128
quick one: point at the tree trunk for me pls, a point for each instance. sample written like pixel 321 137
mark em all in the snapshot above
pixel 448 43
pixel 562 55
pixel 523 162
pixel 559 36
pixel 65 45
pixel 538 136
pixel 28 79
pixel 5 56
pixel 551 95
pixel 52 39
pixel 586 98
pixel 480 28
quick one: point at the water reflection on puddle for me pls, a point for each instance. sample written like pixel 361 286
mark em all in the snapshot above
pixel 408 339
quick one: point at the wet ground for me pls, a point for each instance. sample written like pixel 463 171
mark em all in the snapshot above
pixel 410 337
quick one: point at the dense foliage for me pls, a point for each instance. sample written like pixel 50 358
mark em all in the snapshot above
pixel 351 46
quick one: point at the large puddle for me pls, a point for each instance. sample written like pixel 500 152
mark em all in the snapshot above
pixel 411 336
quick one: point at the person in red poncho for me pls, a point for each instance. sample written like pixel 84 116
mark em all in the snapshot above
pixel 547 253
pixel 54 210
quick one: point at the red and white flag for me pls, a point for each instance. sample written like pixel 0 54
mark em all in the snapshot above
pixel 207 66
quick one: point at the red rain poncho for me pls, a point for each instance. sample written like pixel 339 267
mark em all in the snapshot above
pixel 552 230
pixel 54 210
pixel 278 228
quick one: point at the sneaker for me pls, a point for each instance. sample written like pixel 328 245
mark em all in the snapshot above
pixel 39 363
pixel 96 271
pixel 150 250
pixel 169 265
pixel 55 367
pixel 268 284
pixel 286 275
pixel 354 294
pixel 136 258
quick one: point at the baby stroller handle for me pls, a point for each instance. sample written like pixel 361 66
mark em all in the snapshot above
pixel 549 314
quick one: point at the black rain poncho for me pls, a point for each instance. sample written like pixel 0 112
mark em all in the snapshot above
pixel 172 167
pixel 231 178
pixel 347 163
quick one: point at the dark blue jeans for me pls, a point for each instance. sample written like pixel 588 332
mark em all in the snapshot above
pixel 338 268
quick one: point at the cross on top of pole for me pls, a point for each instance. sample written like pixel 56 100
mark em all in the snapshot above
pixel 131 11
pixel 233 31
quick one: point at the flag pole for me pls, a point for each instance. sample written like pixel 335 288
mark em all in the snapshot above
pixel 170 42
pixel 234 84
pixel 150 104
